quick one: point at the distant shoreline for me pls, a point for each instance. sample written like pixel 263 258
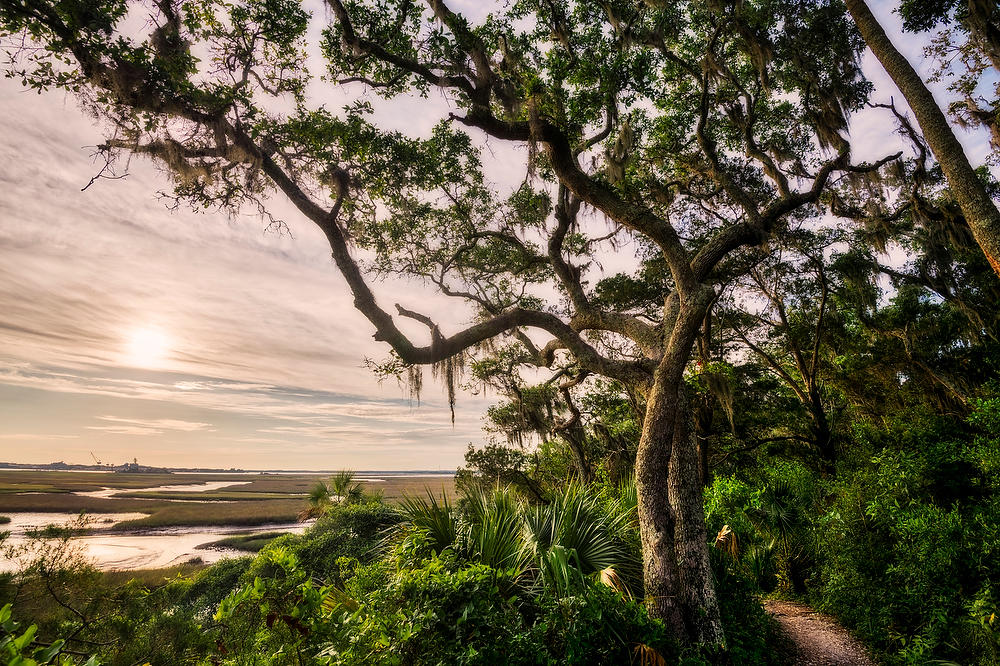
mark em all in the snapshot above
pixel 67 467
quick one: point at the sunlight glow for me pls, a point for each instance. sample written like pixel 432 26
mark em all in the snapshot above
pixel 147 347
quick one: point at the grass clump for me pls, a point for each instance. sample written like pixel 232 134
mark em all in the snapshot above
pixel 260 512
pixel 250 543
pixel 56 532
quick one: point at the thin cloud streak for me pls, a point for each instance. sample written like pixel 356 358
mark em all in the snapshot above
pixel 158 424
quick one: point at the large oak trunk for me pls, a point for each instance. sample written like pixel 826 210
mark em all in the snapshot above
pixel 676 572
pixel 656 516
pixel 697 585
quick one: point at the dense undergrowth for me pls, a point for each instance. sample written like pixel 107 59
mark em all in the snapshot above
pixel 900 541
pixel 902 544
pixel 493 579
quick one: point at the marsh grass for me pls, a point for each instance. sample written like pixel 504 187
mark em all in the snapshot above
pixel 275 483
pixel 56 532
pixel 260 512
pixel 250 543
pixel 221 496
pixel 10 488
pixel 394 489
pixel 260 500
pixel 63 502
pixel 152 578
pixel 85 481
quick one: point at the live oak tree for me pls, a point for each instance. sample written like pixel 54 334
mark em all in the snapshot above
pixel 916 212
pixel 983 22
pixel 544 411
pixel 966 50
pixel 692 130
pixel 541 434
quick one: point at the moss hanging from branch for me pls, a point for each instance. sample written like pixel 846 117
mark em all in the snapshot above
pixel 414 381
pixel 450 370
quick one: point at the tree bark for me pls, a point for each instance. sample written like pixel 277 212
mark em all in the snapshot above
pixel 572 431
pixel 697 585
pixel 821 432
pixel 704 410
pixel 656 515
pixel 674 556
pixel 979 209
pixel 575 438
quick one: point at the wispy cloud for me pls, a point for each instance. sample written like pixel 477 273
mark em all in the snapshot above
pixel 260 400
pixel 149 426
pixel 296 427
pixel 132 431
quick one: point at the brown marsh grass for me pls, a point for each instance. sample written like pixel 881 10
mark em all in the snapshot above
pixel 267 498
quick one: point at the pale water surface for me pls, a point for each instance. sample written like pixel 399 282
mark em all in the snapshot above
pixel 151 549
pixel 182 488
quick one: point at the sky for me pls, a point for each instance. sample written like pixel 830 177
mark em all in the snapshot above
pixel 128 329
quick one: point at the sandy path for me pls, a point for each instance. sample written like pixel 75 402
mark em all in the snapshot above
pixel 815 639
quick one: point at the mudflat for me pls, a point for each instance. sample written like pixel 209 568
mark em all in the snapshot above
pixel 135 521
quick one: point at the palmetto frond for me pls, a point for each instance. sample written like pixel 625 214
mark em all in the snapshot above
pixel 435 521
pixel 344 488
pixel 496 531
pixel 562 544
pixel 319 494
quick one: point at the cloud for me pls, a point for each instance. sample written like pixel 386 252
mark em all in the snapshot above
pixel 289 426
pixel 258 400
pixel 158 424
pixel 133 431
pixel 262 327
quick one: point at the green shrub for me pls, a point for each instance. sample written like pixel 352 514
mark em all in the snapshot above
pixel 750 631
pixel 20 648
pixel 448 612
pixel 440 612
pixel 275 618
pixel 214 583
pixel 911 543
pixel 596 626
pixel 769 516
pixel 345 530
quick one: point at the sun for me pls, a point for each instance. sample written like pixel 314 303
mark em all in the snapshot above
pixel 148 347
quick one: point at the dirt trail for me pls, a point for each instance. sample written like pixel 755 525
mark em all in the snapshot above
pixel 815 639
